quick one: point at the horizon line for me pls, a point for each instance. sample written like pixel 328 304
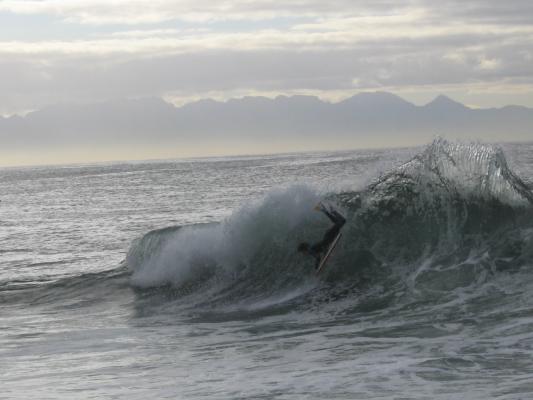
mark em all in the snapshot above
pixel 239 155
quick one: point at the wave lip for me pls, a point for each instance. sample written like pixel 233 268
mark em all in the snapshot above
pixel 448 199
pixel 471 170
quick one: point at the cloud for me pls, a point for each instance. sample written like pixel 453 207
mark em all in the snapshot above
pixel 190 49
pixel 152 11
pixel 133 12
pixel 494 12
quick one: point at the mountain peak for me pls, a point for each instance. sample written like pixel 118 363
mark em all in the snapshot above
pixel 374 99
pixel 444 102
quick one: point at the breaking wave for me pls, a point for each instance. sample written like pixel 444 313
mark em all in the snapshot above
pixel 451 217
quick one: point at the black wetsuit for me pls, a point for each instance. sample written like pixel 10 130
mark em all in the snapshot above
pixel 317 249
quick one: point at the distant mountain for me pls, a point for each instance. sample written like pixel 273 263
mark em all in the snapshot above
pixel 443 103
pixel 299 122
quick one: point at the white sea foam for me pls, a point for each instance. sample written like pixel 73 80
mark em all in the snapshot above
pixel 231 245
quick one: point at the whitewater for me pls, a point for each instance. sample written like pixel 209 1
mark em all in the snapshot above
pixel 180 279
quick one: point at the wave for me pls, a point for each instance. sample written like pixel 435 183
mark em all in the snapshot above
pixel 67 291
pixel 253 242
pixel 448 196
pixel 452 214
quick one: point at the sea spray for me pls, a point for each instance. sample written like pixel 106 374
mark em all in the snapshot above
pixel 258 236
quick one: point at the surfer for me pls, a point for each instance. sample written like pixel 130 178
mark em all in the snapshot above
pixel 317 250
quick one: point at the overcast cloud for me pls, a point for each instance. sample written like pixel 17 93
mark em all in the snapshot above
pixel 480 52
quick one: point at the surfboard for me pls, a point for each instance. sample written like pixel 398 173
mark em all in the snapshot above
pixel 328 253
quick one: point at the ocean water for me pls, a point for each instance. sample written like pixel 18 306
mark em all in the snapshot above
pixel 180 279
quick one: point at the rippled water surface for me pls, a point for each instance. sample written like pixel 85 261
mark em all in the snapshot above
pixel 180 279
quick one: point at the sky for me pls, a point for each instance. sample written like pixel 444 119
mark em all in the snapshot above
pixel 70 52
pixel 479 52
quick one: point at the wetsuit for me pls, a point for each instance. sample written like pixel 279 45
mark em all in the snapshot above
pixel 317 249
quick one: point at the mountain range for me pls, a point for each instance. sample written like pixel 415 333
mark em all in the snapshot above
pixel 259 124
